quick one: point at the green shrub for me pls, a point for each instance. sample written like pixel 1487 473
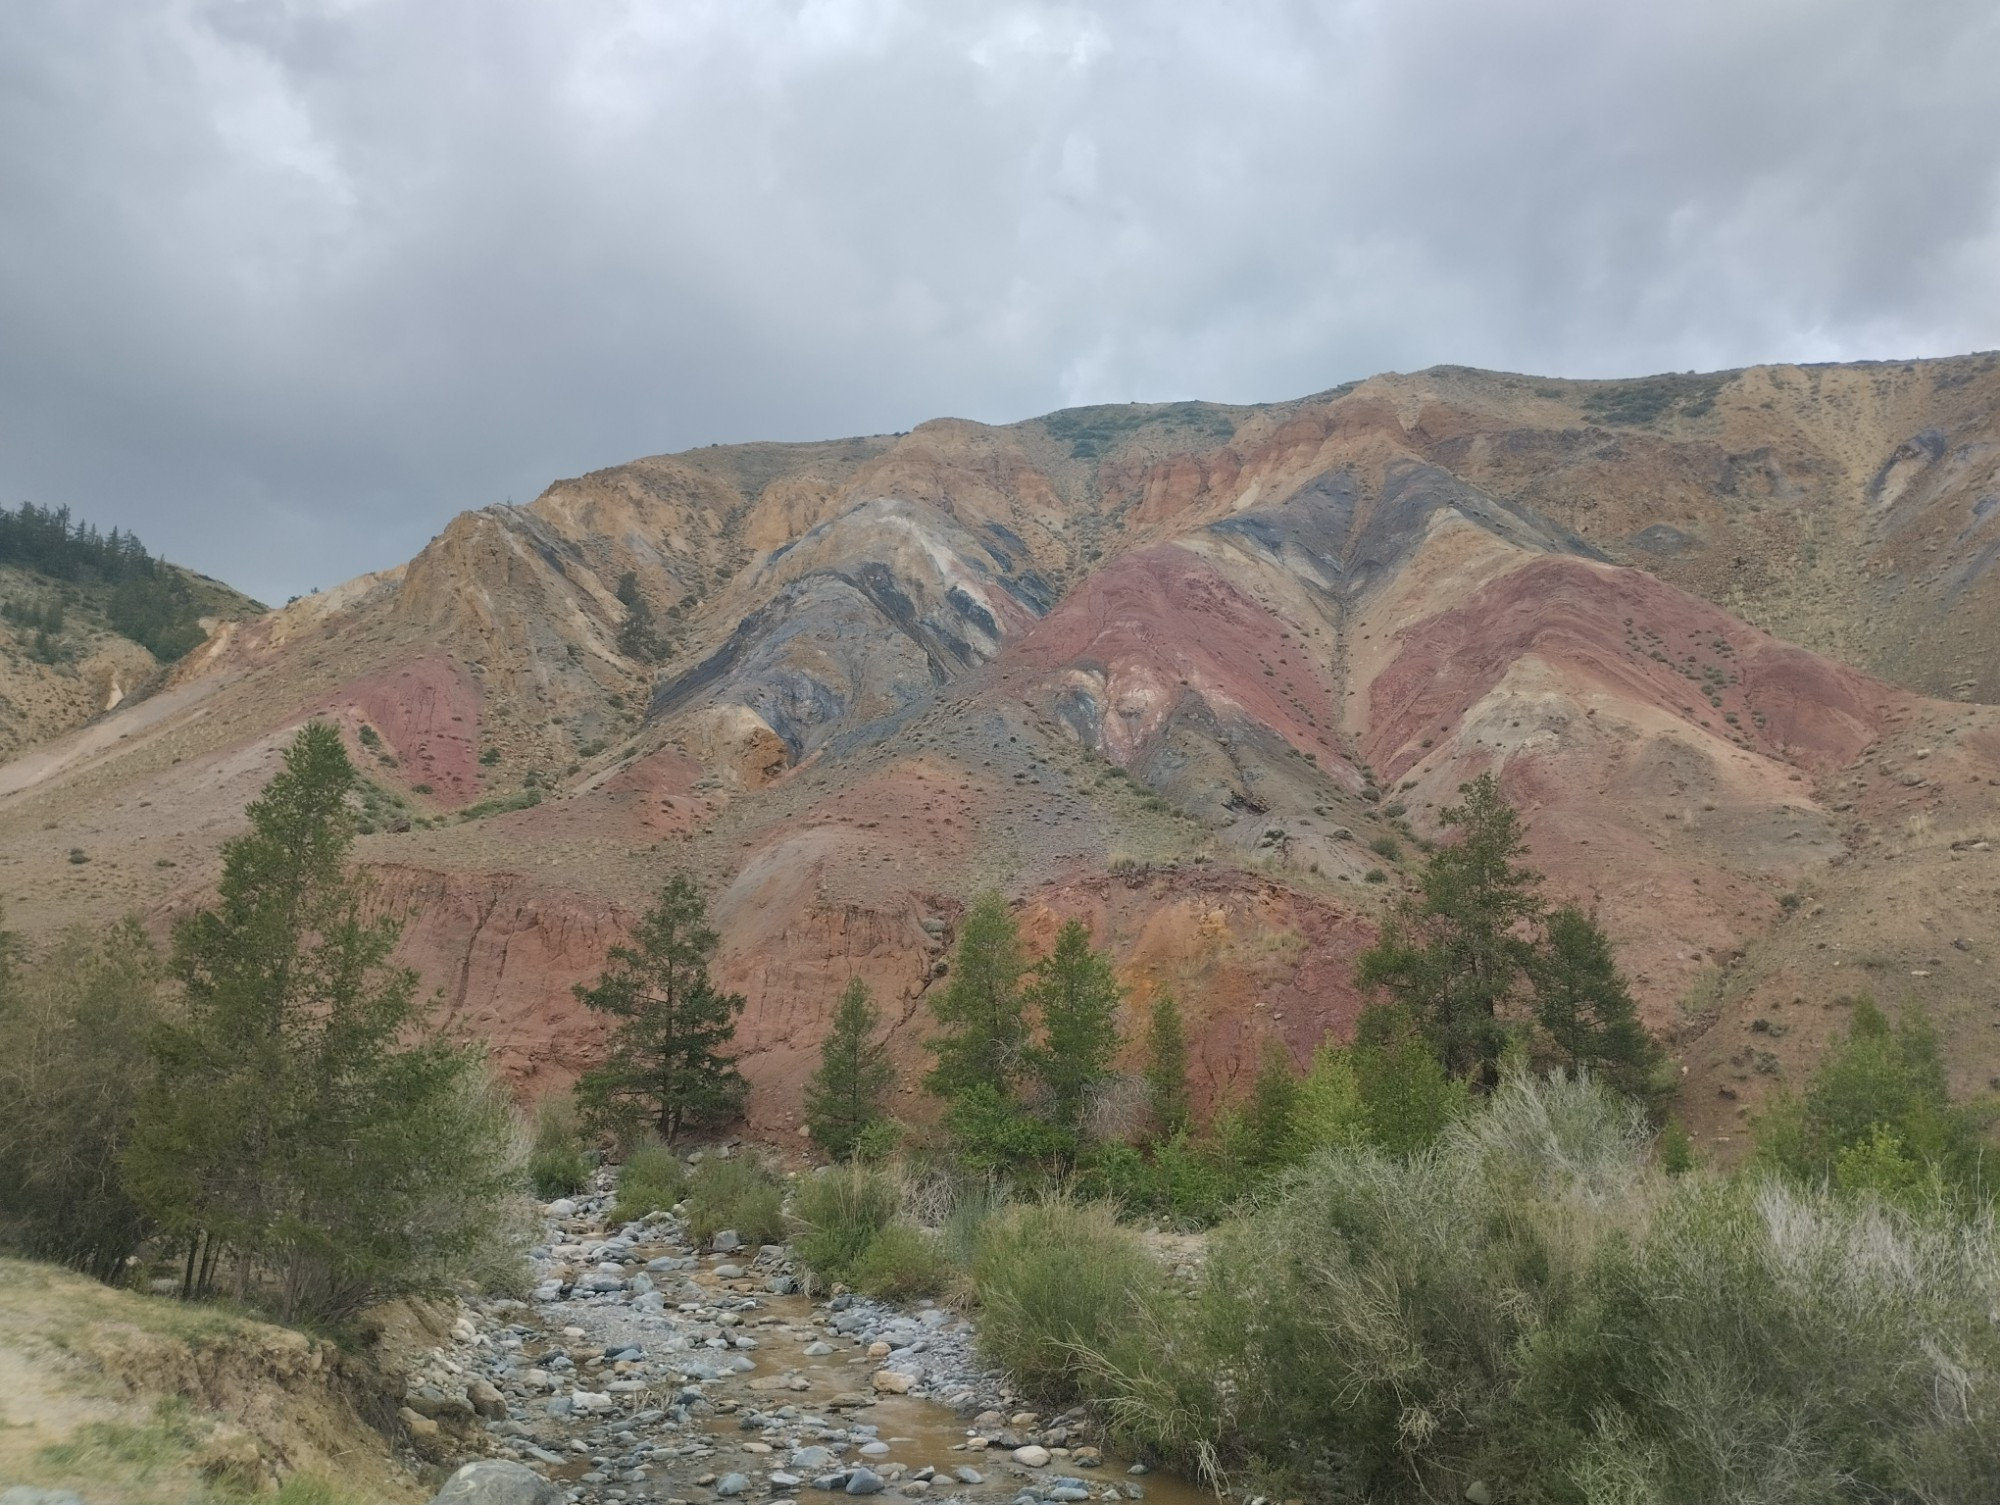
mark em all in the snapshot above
pixel 1059 1280
pixel 902 1263
pixel 1407 1100
pixel 1876 1117
pixel 993 1134
pixel 74 1029
pixel 557 1166
pixel 557 1173
pixel 1387 848
pixel 837 1213
pixel 1533 1304
pixel 651 1180
pixel 1174 1180
pixel 878 1143
pixel 736 1194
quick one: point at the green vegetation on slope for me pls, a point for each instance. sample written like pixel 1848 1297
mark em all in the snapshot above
pixel 109 577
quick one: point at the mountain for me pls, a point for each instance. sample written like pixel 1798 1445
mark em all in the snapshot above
pixel 1202 674
pixel 88 620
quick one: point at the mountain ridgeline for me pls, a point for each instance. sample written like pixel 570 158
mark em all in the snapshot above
pixel 1202 677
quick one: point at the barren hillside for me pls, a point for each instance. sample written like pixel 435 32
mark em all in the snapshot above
pixel 1194 671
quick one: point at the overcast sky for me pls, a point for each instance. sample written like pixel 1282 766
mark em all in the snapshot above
pixel 284 285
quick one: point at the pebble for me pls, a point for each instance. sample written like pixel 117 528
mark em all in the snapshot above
pixel 624 1365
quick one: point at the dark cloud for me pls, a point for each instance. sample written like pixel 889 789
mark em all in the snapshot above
pixel 283 285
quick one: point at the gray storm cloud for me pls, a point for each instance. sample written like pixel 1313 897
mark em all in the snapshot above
pixel 283 285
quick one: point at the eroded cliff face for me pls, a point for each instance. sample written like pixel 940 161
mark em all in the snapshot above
pixel 1192 672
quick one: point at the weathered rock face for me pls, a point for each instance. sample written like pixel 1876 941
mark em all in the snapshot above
pixel 1204 675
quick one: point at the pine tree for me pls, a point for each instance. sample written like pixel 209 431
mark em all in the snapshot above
pixel 1167 1068
pixel 1268 1136
pixel 1452 954
pixel 985 1037
pixel 667 1059
pixel 846 1094
pixel 1583 1004
pixel 1076 996
pixel 302 1123
pixel 636 638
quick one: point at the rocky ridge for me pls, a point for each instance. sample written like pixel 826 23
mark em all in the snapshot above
pixel 1202 675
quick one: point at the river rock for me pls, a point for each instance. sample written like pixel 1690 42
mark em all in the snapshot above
pixel 21 1494
pixel 493 1481
pixel 1032 1456
pixel 965 1473
pixel 889 1382
pixel 726 1242
pixel 732 1484
pixel 865 1481
pixel 486 1400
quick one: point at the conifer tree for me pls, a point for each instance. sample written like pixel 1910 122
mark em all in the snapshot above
pixel 303 1127
pixel 1167 1067
pixel 847 1093
pixel 636 637
pixel 1583 1004
pixel 667 1061
pixel 1452 954
pixel 1076 996
pixel 1268 1138
pixel 985 1038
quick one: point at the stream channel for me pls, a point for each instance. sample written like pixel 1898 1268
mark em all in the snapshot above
pixel 643 1370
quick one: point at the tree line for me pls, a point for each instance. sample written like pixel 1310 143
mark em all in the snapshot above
pixel 273 1101
pixel 141 597
pixel 1471 966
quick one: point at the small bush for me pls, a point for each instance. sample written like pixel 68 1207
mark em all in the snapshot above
pixel 837 1213
pixel 902 1263
pixel 1374 875
pixel 1175 1181
pixel 1387 848
pixel 877 1144
pixel 556 1163
pixel 651 1180
pixel 1059 1280
pixel 557 1173
pixel 735 1194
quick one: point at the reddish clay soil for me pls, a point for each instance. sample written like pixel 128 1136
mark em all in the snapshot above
pixel 1604 626
pixel 427 715
pixel 1163 620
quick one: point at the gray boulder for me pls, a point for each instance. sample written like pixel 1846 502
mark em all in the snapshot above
pixel 492 1481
